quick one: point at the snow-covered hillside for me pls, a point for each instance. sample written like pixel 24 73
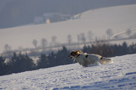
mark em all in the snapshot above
pixel 114 76
pixel 118 19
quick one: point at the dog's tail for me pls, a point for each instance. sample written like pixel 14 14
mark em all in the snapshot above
pixel 105 60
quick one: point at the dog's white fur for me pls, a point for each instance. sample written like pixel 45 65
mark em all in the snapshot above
pixel 85 59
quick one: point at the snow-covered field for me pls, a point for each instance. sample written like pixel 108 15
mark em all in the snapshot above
pixel 120 75
pixel 118 19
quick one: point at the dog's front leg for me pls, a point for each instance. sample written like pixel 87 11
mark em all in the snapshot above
pixel 85 63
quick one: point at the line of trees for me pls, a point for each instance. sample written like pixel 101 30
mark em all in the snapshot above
pixel 22 62
pixel 81 38
pixel 110 50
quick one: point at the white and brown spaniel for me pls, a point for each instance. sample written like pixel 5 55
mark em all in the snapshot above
pixel 85 59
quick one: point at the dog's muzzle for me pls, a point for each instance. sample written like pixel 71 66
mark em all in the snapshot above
pixel 70 57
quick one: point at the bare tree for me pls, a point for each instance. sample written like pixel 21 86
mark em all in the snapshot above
pixel 90 35
pixel 69 38
pixel 44 44
pixel 53 40
pixel 82 37
pixel 78 38
pixel 128 32
pixel 109 33
pixel 7 48
pixel 35 42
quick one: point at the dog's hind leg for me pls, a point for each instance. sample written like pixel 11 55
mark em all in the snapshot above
pixel 105 60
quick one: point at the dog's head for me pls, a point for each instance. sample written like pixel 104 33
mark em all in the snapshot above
pixel 74 54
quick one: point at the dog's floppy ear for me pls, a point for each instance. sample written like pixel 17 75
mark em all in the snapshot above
pixel 73 53
pixel 78 52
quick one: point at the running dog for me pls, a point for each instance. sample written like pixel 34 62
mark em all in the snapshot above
pixel 85 59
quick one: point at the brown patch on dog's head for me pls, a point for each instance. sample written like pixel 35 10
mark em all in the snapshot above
pixel 74 53
pixel 78 52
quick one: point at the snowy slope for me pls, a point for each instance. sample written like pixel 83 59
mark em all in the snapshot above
pixel 118 18
pixel 114 76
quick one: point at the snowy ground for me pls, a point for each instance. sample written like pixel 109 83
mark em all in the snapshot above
pixel 114 76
